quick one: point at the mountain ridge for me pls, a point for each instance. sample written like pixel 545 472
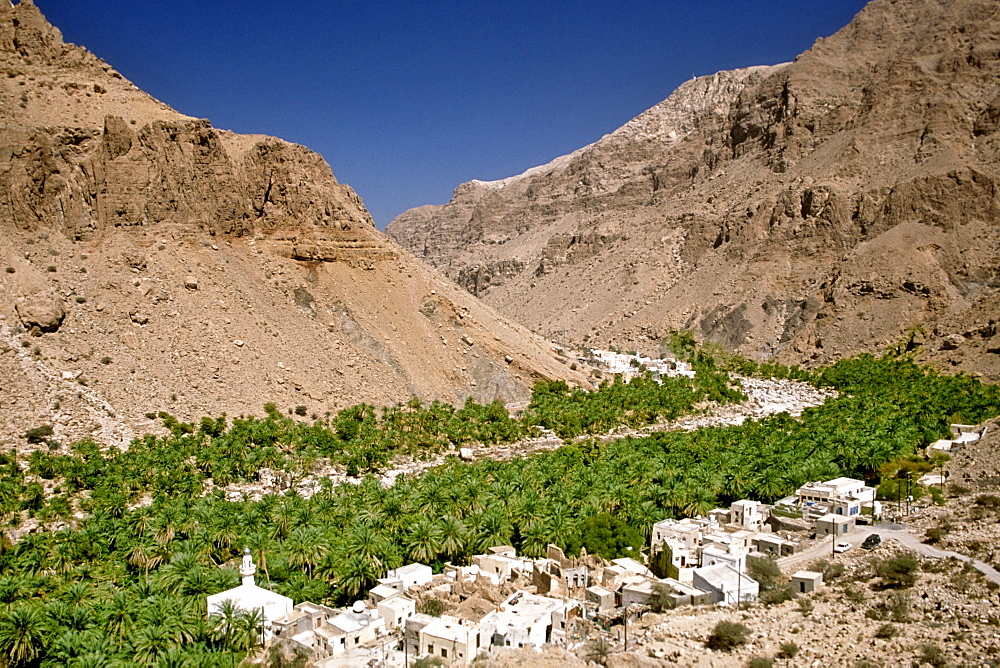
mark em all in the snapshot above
pixel 152 262
pixel 841 203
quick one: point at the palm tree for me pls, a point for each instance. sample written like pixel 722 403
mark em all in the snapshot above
pixel 226 618
pixel 250 628
pixel 22 635
pixel 424 541
pixel 305 548
pixel 355 575
pixel 118 614
pixel 453 535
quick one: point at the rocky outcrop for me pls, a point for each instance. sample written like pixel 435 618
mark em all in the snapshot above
pixel 43 311
pixel 169 265
pixel 801 212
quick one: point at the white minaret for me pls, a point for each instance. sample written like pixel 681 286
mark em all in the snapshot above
pixel 247 569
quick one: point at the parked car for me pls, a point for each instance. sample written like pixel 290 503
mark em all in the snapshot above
pixel 842 547
pixel 873 541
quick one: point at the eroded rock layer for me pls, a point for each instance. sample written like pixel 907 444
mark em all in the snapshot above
pixel 163 264
pixel 840 203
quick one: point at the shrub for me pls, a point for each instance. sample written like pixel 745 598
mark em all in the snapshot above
pixel 991 501
pixel 897 571
pixel 886 631
pixel 760 662
pixel 957 489
pixel 935 534
pixel 11 270
pixel 662 598
pixel 431 606
pixel 727 636
pixel 38 435
pixel 932 655
pixel 805 606
pixel 855 594
pixel 105 360
pixel 831 570
pixel 300 410
pixel 81 299
pixel 788 650
pixel 51 269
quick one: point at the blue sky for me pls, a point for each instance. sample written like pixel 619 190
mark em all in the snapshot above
pixel 406 100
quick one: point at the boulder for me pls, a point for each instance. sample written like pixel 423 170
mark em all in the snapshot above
pixel 44 310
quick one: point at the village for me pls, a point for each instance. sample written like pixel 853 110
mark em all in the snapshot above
pixel 503 601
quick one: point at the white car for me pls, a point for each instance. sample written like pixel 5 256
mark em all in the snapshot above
pixel 842 547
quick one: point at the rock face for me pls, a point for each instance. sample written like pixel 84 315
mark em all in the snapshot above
pixel 173 266
pixel 847 201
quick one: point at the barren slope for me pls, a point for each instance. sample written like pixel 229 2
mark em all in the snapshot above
pixel 804 211
pixel 188 269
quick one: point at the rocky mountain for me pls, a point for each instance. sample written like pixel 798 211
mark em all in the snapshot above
pixel 844 202
pixel 149 261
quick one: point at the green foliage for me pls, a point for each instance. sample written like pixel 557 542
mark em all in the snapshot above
pixel 727 636
pixel 897 571
pixel 886 631
pixel 155 539
pixel 608 537
pixel 932 655
pixel 662 598
pixel 760 662
pixel 774 588
pixel 431 606
pixel 788 650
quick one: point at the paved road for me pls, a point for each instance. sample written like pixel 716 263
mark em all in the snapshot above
pixel 897 532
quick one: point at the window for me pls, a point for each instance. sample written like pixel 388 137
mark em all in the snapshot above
pixel 444 652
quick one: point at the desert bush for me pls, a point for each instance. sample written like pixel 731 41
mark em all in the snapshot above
pixel 431 606
pixel 958 489
pixel 897 572
pixel 933 655
pixel 38 434
pixel 990 501
pixel 727 636
pixel 855 594
pixel 105 360
pixel 886 631
pixel 788 650
pixel 896 608
pixel 805 606
pixel 599 650
pixel 760 662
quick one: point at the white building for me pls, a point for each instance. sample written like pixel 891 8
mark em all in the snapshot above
pixel 840 496
pixel 526 619
pixel 411 575
pixel 248 596
pixel 449 639
pixel 726 585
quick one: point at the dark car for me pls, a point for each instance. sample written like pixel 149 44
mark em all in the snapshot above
pixel 871 542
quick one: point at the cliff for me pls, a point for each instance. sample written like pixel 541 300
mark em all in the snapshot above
pixel 844 202
pixel 149 261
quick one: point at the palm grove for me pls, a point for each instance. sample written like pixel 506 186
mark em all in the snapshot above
pixel 127 583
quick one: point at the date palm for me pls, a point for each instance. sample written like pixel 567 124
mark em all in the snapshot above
pixel 23 631
pixel 423 541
